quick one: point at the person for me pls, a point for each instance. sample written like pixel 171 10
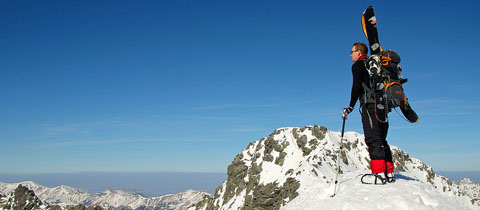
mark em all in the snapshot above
pixel 374 128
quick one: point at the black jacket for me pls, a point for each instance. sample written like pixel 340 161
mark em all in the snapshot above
pixel 360 75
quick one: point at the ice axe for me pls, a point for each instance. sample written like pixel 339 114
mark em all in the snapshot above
pixel 338 157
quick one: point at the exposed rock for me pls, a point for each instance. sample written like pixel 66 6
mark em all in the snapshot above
pixel 273 170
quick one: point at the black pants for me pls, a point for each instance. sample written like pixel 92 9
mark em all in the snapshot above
pixel 376 133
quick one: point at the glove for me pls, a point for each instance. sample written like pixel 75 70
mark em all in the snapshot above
pixel 346 111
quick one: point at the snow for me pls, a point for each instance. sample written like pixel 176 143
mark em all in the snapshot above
pixel 418 187
pixel 65 195
pixel 405 193
pixel 237 203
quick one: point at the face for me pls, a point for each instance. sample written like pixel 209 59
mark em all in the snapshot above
pixel 355 54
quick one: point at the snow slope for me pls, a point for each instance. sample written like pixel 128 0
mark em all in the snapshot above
pixel 295 168
pixel 405 193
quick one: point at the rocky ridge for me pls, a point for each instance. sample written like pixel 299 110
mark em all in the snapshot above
pixel 274 170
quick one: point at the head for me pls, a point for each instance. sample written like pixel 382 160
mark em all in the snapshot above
pixel 358 50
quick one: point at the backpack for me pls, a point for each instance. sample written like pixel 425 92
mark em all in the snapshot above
pixel 385 80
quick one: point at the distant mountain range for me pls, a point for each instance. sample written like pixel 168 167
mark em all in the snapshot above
pixel 63 196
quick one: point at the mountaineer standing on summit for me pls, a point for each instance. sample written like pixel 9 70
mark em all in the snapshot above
pixel 375 131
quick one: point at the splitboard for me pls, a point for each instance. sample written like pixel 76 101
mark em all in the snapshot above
pixel 369 26
pixel 409 114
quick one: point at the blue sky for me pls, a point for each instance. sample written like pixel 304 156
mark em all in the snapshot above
pixel 183 86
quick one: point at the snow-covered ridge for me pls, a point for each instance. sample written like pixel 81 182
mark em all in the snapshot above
pixel 126 199
pixel 295 168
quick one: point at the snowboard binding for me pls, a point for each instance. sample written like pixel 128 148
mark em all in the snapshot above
pixel 373 65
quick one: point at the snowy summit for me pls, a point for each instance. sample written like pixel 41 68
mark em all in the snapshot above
pixel 295 168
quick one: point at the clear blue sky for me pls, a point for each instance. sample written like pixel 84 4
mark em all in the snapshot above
pixel 145 86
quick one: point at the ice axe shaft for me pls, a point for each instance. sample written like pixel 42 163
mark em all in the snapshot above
pixel 338 157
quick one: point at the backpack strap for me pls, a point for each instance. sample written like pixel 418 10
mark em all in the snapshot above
pixel 387 85
pixel 367 96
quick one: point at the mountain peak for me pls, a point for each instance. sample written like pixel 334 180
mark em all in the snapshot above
pixel 21 198
pixel 294 163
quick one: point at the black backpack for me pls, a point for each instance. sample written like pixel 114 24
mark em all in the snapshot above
pixel 385 75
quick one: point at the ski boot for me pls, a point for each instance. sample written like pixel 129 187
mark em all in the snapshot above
pixel 390 177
